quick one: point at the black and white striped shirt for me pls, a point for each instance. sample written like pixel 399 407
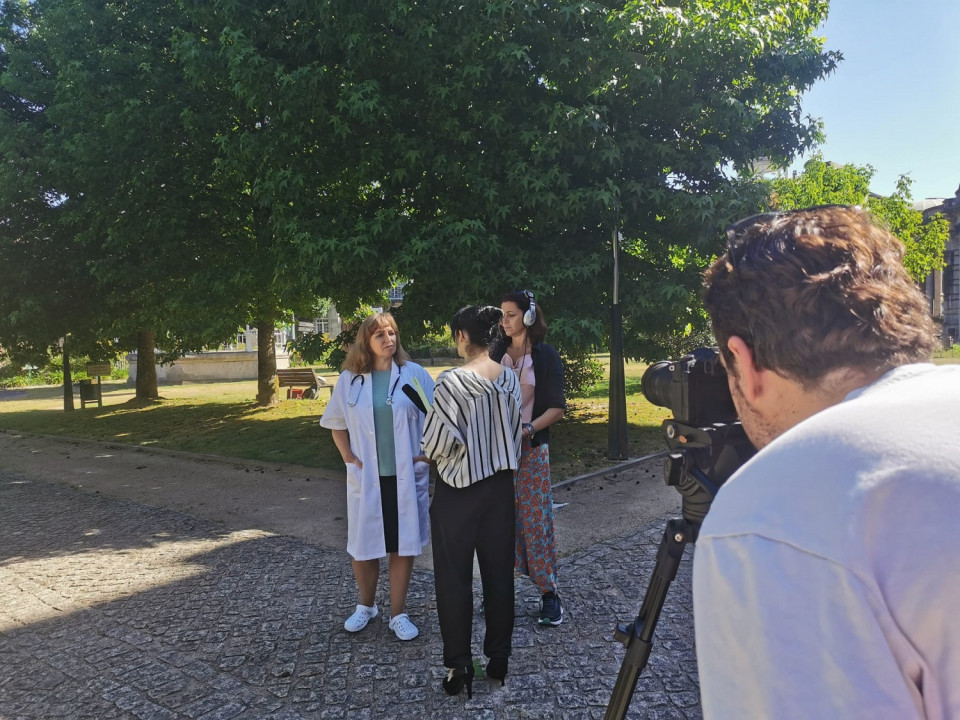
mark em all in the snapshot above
pixel 473 428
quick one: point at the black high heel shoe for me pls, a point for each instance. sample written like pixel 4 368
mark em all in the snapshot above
pixel 497 669
pixel 458 677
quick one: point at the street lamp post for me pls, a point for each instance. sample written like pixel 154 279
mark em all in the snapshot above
pixel 617 448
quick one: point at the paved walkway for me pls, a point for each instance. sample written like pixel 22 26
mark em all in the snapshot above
pixel 113 609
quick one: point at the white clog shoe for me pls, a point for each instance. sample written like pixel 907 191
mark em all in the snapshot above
pixel 361 616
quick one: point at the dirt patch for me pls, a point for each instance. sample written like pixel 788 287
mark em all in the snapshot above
pixel 611 505
pixel 304 502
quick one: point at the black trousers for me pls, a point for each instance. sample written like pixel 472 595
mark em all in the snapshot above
pixel 476 519
pixel 391 513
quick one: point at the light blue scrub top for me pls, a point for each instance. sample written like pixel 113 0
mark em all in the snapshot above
pixel 383 423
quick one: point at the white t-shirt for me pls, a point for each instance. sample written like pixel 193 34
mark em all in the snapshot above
pixel 826 575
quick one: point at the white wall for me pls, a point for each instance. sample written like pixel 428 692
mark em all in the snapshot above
pixel 211 366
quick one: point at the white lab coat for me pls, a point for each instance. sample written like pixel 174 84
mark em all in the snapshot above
pixel 365 539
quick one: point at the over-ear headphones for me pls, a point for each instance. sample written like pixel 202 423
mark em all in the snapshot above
pixel 530 316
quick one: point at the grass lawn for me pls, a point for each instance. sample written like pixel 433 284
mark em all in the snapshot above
pixel 221 419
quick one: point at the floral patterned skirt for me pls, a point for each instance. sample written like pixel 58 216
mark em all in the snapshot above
pixel 536 553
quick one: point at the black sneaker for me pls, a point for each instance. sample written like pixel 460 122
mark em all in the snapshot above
pixel 551 611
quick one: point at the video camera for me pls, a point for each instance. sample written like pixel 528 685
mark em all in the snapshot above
pixel 693 387
pixel 705 439
pixel 706 446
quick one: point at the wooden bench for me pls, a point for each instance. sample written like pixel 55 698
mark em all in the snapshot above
pixel 305 378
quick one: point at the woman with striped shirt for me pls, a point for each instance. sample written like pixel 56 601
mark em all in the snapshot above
pixel 473 433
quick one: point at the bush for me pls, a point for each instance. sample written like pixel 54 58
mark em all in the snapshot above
pixel 426 352
pixel 13 375
pixel 16 381
pixel 581 371
pixel 436 344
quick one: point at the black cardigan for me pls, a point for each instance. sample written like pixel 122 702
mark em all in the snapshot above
pixel 548 392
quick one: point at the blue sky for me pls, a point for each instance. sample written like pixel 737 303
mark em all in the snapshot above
pixel 894 102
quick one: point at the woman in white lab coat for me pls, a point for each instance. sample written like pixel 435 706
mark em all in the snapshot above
pixel 377 428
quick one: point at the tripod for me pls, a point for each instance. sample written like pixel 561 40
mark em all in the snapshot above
pixel 721 448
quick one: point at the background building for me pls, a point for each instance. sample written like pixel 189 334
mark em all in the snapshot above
pixel 943 286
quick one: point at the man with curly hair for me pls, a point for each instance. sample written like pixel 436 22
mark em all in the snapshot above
pixel 827 574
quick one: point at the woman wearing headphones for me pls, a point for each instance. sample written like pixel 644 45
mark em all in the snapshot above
pixel 377 430
pixel 540 373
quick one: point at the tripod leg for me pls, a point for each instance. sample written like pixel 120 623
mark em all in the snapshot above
pixel 638 636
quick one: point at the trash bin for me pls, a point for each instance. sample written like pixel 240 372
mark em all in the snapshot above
pixel 90 392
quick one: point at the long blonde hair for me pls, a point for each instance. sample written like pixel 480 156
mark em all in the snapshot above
pixel 359 358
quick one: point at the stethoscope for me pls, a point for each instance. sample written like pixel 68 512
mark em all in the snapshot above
pixel 353 397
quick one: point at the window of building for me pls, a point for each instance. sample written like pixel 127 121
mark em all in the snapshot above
pixel 396 294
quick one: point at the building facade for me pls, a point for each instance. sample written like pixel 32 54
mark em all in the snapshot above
pixel 943 286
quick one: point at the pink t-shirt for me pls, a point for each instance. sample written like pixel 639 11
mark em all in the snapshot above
pixel 528 382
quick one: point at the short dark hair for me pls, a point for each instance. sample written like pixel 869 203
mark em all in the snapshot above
pixel 481 323
pixel 538 331
pixel 816 290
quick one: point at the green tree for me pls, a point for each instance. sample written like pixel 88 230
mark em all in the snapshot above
pixel 464 149
pixel 47 296
pixel 488 146
pixel 121 147
pixel 823 183
pixel 319 224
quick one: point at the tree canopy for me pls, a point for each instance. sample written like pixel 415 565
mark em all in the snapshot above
pixel 823 183
pixel 114 170
pixel 481 147
pixel 222 161
pixel 48 300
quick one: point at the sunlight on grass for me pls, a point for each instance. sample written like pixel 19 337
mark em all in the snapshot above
pixel 223 419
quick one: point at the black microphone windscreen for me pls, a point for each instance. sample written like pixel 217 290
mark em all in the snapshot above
pixel 414 397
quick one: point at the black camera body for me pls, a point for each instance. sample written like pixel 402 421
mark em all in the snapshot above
pixel 705 439
pixel 694 388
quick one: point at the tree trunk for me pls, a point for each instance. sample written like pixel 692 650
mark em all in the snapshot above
pixel 146 366
pixel 67 379
pixel 268 391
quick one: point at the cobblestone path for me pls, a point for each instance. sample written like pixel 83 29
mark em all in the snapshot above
pixel 112 609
